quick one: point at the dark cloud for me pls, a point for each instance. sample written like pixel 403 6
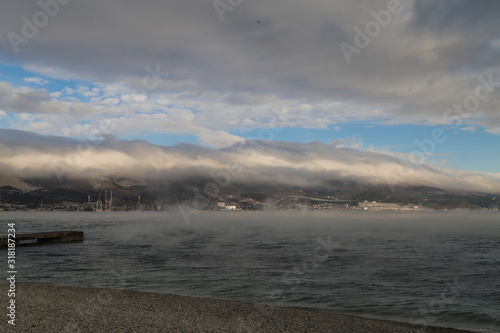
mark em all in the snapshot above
pixel 454 16
pixel 22 100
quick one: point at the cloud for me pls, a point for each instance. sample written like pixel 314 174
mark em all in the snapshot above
pixel 253 162
pixel 234 72
pixel 354 143
pixel 35 80
pixel 470 129
pixel 494 130
pixel 40 101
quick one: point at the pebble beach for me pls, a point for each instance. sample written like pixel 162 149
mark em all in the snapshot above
pixel 44 308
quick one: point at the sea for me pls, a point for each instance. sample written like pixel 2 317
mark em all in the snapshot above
pixel 431 268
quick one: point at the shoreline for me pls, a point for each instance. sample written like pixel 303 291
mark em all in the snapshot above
pixel 46 308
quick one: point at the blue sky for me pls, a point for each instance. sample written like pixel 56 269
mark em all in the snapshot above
pixel 214 81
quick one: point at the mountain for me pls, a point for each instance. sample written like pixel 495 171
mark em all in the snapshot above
pixel 194 190
pixel 35 167
pixel 17 183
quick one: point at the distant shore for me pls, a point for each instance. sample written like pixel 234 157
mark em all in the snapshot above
pixel 350 210
pixel 43 308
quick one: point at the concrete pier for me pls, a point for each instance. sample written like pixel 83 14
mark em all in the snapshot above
pixel 41 238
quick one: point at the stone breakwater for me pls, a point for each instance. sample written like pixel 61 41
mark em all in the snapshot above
pixel 43 308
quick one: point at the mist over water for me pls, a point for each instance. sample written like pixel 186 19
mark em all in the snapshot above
pixel 434 268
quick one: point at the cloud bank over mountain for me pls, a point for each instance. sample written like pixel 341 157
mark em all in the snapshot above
pixel 27 154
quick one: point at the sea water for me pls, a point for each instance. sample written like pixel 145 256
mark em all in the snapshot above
pixel 431 268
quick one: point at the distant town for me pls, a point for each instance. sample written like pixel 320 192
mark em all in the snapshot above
pixel 230 203
pixel 123 194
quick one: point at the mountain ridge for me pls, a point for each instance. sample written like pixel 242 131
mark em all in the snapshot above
pixel 185 190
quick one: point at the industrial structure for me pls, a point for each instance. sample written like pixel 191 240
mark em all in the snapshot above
pixel 98 206
pixel 108 201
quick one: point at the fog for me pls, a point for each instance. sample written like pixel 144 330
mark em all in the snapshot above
pixel 133 226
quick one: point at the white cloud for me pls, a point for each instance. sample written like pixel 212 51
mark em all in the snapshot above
pixel 348 142
pixel 493 130
pixel 35 80
pixel 110 101
pixel 68 91
pixel 219 139
pixel 55 72
pixel 470 129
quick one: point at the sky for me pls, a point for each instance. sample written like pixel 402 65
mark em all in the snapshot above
pixel 418 80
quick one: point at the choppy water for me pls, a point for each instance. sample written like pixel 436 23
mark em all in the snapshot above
pixel 435 268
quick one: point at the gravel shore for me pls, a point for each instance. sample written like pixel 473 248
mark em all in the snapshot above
pixel 42 308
